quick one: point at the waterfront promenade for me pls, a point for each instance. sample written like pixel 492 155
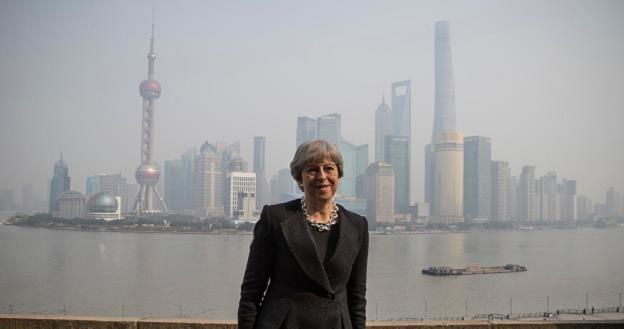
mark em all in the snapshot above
pixel 19 321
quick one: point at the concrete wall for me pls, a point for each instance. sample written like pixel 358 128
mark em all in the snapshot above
pixel 17 321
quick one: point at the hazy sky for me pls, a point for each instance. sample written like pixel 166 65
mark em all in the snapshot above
pixel 543 79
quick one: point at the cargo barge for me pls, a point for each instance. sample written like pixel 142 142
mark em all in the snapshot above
pixel 443 271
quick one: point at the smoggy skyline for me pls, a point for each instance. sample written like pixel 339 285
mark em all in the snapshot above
pixel 543 79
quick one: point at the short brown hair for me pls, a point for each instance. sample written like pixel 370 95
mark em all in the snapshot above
pixel 313 151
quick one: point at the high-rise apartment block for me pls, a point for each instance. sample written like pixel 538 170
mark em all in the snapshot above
pixel 500 174
pixel 477 181
pixel 379 189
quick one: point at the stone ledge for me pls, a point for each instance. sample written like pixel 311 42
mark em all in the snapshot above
pixel 28 321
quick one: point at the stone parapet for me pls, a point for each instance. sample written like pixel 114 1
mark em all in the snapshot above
pixel 19 321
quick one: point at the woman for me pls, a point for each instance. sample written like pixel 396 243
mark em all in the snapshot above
pixel 307 261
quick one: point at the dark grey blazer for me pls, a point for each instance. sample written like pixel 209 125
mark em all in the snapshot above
pixel 286 285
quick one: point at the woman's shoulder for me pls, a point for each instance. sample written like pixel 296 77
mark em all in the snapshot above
pixel 292 206
pixel 281 211
pixel 355 217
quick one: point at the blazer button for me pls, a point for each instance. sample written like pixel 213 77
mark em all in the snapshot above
pixel 330 295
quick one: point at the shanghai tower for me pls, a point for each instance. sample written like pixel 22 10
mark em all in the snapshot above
pixel 444 157
pixel 148 173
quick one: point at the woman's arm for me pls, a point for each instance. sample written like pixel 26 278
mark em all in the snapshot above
pixel 259 265
pixel 356 287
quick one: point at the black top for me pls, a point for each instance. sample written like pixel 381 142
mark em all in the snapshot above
pixel 325 241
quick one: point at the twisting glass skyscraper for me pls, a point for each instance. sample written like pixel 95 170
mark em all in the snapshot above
pixel 444 181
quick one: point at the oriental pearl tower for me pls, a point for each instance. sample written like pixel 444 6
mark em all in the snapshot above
pixel 148 173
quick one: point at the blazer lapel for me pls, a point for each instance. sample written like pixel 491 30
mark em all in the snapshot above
pixel 348 235
pixel 302 246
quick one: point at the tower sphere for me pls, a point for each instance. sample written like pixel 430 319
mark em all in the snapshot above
pixel 150 89
pixel 147 174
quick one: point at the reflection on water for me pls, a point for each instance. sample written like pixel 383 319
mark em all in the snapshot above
pixel 104 273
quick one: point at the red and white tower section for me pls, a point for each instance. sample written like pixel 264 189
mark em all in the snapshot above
pixel 148 173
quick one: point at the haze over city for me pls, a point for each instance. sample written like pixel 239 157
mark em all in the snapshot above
pixel 543 79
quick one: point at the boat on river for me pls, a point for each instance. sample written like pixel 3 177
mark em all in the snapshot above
pixel 444 271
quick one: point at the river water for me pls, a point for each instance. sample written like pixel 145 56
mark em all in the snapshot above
pixel 199 275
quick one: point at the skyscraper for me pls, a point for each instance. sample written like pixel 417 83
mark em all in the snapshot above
pixel 444 157
pixel 584 208
pixel 383 127
pixel 259 164
pixel 477 181
pixel 148 173
pixel 175 184
pixel 613 203
pixel 526 194
pixel 401 108
pixel 238 183
pixel 355 160
pixel 28 197
pixel 548 199
pixel 513 198
pixel 208 184
pixel 306 129
pixel 379 189
pixel 282 186
pixel 328 127
pixel 396 151
pixel 7 199
pixel 500 174
pixel 59 183
pixel 568 198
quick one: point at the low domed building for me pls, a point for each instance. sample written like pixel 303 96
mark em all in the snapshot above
pixel 104 205
pixel 69 205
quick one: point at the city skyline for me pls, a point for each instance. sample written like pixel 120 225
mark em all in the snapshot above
pixel 542 84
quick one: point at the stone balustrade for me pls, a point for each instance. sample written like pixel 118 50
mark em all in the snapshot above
pixel 19 321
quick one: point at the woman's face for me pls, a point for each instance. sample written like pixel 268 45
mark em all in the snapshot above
pixel 320 180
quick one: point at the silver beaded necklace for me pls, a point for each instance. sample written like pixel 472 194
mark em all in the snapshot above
pixel 320 227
